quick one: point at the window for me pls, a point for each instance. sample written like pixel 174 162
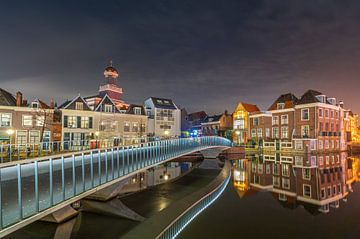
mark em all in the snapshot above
pixel 268 169
pixel 336 114
pixel 267 133
pixel 306 190
pixel 326 144
pixel 34 137
pixel 285 170
pixel 306 174
pixel 71 122
pixel 35 105
pixel 284 132
pixel 276 181
pixel 329 191
pixel 260 168
pixel 85 122
pixel 286 183
pixel 253 133
pixel 79 105
pixel 298 160
pixel 275 132
pixel 27 120
pixel 21 136
pixel 305 114
pixel 327 160
pixel 284 119
pixel 321 160
pixel 321 127
pixel 40 120
pixel 327 113
pixel 108 108
pixel 280 106
pixel 260 133
pixel 339 188
pixel 321 112
pixel 305 131
pixel 142 128
pixel 137 110
pixel 332 114
pixel 135 127
pixel 276 169
pixel 298 144
pixel 275 120
pixel 255 121
pixel 126 127
pixel 5 120
pixel 323 193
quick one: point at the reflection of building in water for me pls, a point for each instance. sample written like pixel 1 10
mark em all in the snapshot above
pixel 316 182
pixel 240 177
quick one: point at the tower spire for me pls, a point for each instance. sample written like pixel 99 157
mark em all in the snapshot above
pixel 111 63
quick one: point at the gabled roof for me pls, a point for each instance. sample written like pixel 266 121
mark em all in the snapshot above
pixel 289 99
pixel 106 99
pixel 213 118
pixel 71 104
pixel 6 98
pixel 163 103
pixel 309 97
pixel 250 107
pixel 42 104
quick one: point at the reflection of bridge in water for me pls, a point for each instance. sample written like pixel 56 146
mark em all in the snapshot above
pixel 32 189
pixel 317 182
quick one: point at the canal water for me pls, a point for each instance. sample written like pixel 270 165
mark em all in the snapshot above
pixel 287 196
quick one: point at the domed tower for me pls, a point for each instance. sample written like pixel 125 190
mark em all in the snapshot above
pixel 110 87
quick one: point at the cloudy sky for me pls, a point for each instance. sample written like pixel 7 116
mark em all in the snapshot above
pixel 203 54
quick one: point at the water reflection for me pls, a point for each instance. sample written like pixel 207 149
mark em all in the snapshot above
pixel 317 182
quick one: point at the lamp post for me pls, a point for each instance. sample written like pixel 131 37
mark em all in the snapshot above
pixel 96 138
pixel 10 132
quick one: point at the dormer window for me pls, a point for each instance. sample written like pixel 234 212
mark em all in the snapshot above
pixel 281 106
pixel 321 98
pixel 35 105
pixel 108 108
pixel 332 101
pixel 137 110
pixel 79 106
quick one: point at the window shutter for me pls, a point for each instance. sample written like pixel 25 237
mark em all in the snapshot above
pixel 65 121
pixel 90 122
pixel 79 121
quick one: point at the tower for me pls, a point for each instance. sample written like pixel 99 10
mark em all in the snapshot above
pixel 110 87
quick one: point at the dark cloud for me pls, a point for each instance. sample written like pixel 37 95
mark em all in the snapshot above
pixel 203 54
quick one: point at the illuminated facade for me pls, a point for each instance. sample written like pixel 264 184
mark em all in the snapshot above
pixel 241 126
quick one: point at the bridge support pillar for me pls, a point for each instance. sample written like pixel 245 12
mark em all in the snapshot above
pixel 113 207
pixel 62 215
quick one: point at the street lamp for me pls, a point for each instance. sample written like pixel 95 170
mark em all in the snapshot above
pixel 166 132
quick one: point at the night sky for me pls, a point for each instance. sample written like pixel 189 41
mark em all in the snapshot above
pixel 205 55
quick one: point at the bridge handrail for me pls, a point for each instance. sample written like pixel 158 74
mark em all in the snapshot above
pixel 119 163
pixel 179 223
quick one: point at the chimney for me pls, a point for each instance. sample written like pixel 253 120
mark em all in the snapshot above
pixel 226 112
pixel 341 104
pixel 52 103
pixel 19 99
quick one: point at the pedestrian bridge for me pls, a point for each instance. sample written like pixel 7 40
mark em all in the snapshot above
pixel 32 189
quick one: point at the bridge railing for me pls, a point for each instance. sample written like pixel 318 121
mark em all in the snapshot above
pixel 177 225
pixel 38 186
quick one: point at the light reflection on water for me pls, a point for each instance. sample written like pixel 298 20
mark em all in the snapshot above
pixel 317 182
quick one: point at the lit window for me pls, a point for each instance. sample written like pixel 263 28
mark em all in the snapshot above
pixel 40 120
pixel 21 137
pixel 305 131
pixel 27 120
pixel 126 127
pixel 79 105
pixel 5 120
pixel 108 108
pixel 284 119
